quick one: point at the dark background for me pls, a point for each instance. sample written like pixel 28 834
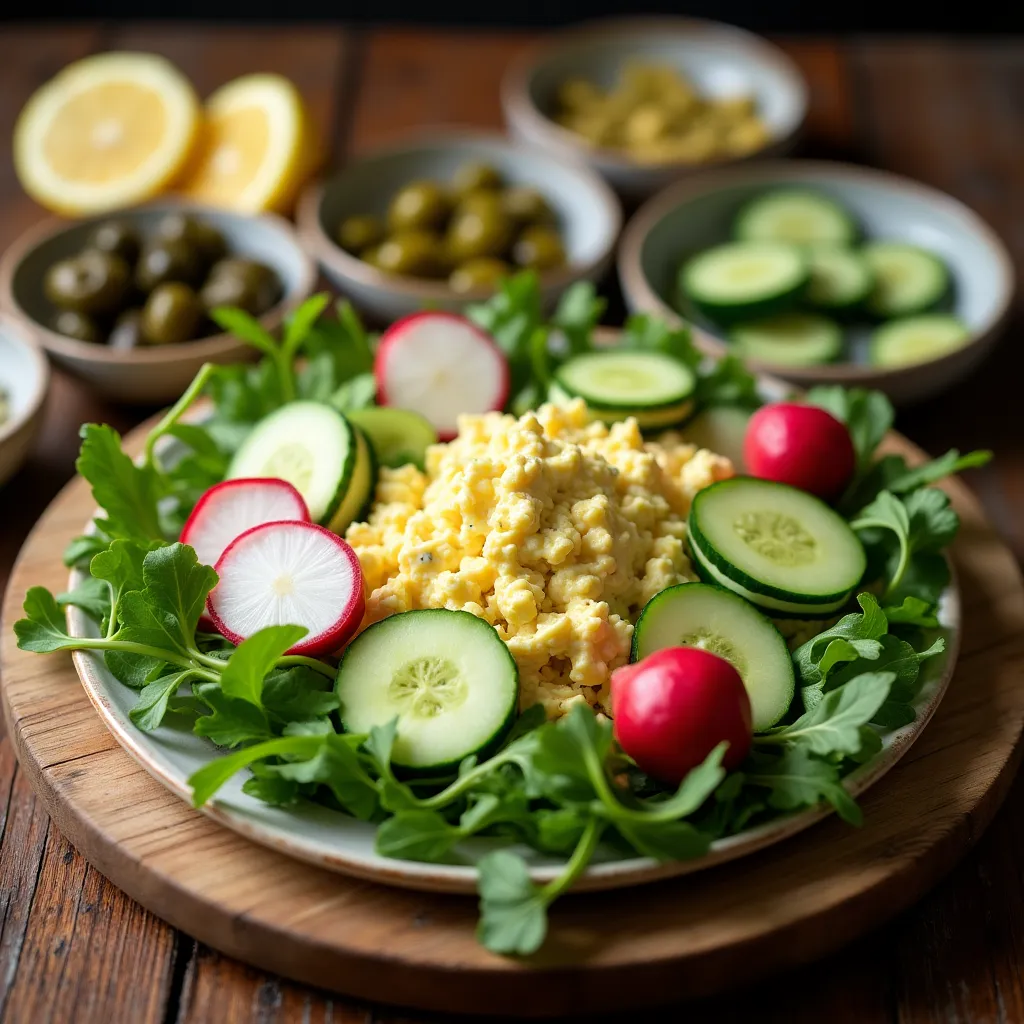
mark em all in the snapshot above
pixel 989 17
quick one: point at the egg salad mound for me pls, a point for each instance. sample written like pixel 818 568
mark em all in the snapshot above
pixel 554 529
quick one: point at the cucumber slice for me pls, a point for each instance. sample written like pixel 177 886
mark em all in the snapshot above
pixel 397 436
pixel 698 615
pixel 779 547
pixel 355 504
pixel 840 278
pixel 308 444
pixel 446 675
pixel 720 429
pixel 797 216
pixel 743 280
pixel 789 339
pixel 917 339
pixel 907 279
pixel 654 389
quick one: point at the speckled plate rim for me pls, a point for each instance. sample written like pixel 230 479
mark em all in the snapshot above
pixel 642 297
pixel 325 838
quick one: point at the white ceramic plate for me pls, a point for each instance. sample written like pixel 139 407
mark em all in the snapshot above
pixel 334 841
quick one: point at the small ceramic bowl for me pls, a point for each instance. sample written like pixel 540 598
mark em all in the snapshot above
pixel 158 373
pixel 588 213
pixel 719 59
pixel 698 213
pixel 24 381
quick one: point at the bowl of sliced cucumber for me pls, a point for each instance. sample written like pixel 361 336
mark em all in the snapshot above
pixel 823 272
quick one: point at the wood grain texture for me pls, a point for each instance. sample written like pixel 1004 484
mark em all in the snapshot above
pixel 683 938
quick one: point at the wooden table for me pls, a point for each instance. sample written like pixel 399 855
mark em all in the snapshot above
pixel 948 112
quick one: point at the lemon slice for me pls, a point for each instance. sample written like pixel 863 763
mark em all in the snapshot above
pixel 108 131
pixel 256 146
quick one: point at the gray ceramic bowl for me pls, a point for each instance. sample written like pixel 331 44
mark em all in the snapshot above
pixel 698 213
pixel 24 381
pixel 588 213
pixel 719 59
pixel 160 373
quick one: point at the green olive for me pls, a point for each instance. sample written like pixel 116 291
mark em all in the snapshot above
pixel 360 232
pixel 93 283
pixel 413 253
pixel 207 240
pixel 526 205
pixel 73 324
pixel 127 332
pixel 246 284
pixel 473 176
pixel 118 237
pixel 539 248
pixel 370 255
pixel 171 314
pixel 484 272
pixel 420 206
pixel 479 228
pixel 166 260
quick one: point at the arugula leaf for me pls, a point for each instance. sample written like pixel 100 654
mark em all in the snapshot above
pixel 245 328
pixel 92 596
pixel 298 694
pixel 513 917
pixel 300 324
pixel 43 629
pixel 799 779
pixel 127 494
pixel 868 416
pixel 578 312
pixel 149 710
pixel 342 342
pixel 669 840
pixel 253 659
pixel 558 829
pixel 645 331
pixel 79 553
pixel 696 787
pixel 729 382
pixel 912 611
pixel 176 587
pixel 421 835
pixel 869 624
pixel 356 393
pixel 336 765
pixel 272 790
pixel 231 721
pixel 833 725
pixel 134 670
pixel 891 473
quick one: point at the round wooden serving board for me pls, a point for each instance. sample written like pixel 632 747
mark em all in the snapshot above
pixel 721 927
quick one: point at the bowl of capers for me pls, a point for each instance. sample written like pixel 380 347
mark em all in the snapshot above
pixel 123 301
pixel 644 101
pixel 440 219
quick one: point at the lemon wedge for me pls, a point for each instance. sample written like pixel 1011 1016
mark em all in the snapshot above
pixel 256 146
pixel 107 131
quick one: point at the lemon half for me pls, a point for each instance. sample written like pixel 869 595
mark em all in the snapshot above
pixel 108 131
pixel 256 146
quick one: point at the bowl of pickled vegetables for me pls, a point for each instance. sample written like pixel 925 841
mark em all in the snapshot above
pixel 644 101
pixel 823 272
pixel 126 301
pixel 441 218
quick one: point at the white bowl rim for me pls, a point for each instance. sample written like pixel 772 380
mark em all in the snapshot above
pixel 517 99
pixel 639 292
pixel 324 249
pixel 21 338
pixel 209 347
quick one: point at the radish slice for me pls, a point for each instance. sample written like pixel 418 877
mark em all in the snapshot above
pixel 440 365
pixel 234 506
pixel 289 573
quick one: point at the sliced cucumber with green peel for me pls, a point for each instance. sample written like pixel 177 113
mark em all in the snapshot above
pixel 398 436
pixel 720 429
pixel 655 389
pixel 795 215
pixel 446 675
pixel 716 620
pixel 789 339
pixel 841 279
pixel 908 279
pixel 308 444
pixel 918 339
pixel 744 280
pixel 355 504
pixel 780 548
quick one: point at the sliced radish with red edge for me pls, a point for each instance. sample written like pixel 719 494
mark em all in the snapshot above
pixel 230 508
pixel 289 573
pixel 440 365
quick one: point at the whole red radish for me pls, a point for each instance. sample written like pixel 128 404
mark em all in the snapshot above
pixel 800 445
pixel 675 706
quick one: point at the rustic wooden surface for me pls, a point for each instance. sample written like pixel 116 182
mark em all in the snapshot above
pixel 73 948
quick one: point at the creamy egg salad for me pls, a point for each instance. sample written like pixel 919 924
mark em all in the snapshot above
pixel 554 529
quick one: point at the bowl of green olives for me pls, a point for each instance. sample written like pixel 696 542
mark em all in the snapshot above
pixel 440 219
pixel 644 101
pixel 124 301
